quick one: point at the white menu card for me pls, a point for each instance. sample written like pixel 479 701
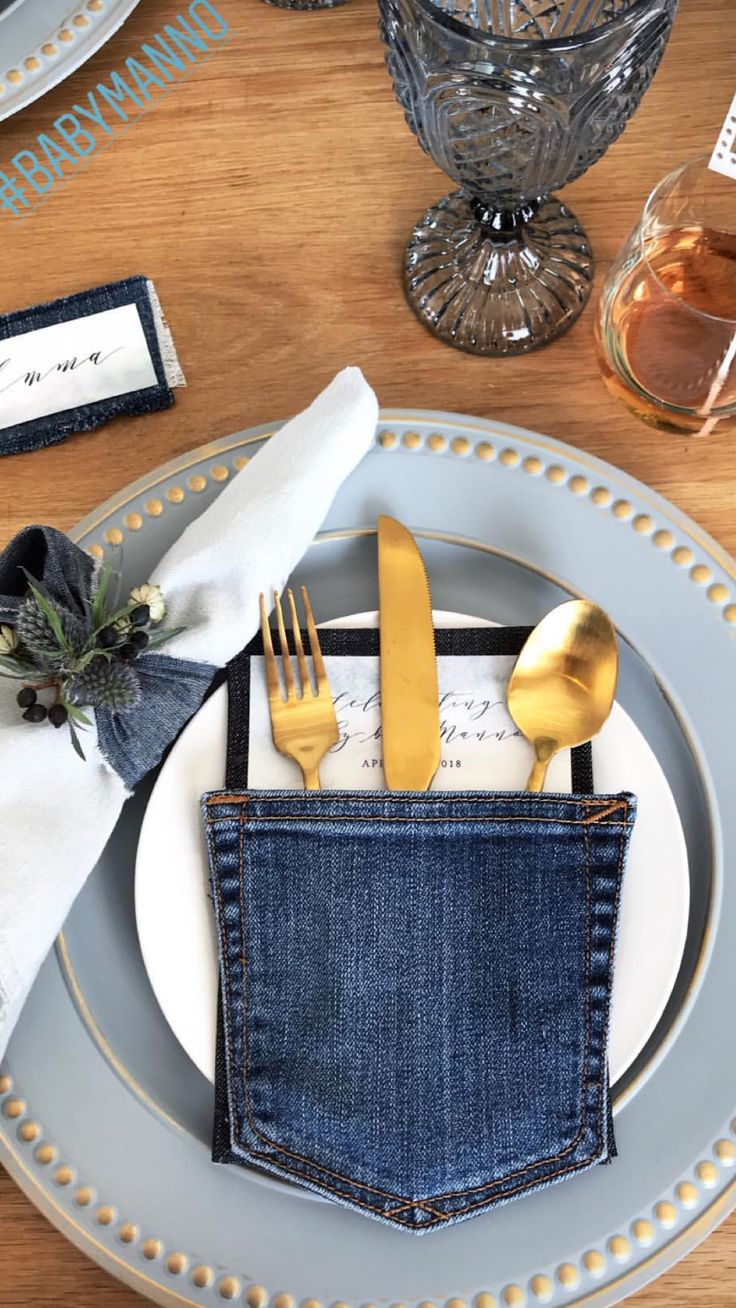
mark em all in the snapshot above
pixel 482 749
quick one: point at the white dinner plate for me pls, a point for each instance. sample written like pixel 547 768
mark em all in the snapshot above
pixel 174 913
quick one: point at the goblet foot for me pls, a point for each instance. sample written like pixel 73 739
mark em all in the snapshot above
pixel 494 291
pixel 305 5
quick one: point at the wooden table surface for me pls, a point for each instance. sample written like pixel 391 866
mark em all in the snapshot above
pixel 269 197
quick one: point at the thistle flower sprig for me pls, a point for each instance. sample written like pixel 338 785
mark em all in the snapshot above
pixel 86 660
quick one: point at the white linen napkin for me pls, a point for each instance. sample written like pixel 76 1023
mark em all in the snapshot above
pixel 56 813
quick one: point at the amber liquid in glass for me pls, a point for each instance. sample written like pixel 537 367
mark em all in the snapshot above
pixel 666 333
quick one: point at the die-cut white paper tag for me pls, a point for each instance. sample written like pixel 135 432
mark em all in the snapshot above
pixel 723 159
pixel 73 363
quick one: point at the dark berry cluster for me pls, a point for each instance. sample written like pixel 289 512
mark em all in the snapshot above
pixel 57 714
pixel 129 639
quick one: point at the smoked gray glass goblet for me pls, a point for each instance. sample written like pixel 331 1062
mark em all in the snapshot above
pixel 513 99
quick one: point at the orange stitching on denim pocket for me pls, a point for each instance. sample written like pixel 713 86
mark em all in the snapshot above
pixel 614 925
pixel 401 1199
pixel 421 1226
pixel 422 1204
pixel 588 952
pixel 379 817
pixel 393 797
pixel 612 808
pixel 614 931
pixel 227 977
pixel 227 984
pixel 244 955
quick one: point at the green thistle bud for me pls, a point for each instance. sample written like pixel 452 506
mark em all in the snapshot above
pixel 106 683
pixel 36 635
pixel 34 631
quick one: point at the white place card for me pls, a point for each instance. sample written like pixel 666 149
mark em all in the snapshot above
pixel 73 363
pixel 723 159
pixel 482 749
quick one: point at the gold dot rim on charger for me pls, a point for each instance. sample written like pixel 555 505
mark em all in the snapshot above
pixel 35 54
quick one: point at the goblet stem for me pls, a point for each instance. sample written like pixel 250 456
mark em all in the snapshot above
pixel 498 281
pixel 503 222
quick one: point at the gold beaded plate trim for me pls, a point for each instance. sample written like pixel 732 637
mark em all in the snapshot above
pixel 62 49
pixel 665 529
pixel 693 1204
pixel 675 1208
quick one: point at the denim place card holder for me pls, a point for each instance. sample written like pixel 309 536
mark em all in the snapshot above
pixel 73 364
pixel 415 988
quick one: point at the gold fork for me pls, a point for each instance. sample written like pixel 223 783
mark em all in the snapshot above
pixel 304 724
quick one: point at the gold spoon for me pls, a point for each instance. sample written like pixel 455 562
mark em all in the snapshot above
pixel 562 686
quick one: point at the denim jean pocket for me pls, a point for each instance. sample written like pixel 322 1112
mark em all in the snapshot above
pixel 415 990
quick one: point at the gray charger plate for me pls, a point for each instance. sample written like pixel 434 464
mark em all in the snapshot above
pixel 43 41
pixel 106 1124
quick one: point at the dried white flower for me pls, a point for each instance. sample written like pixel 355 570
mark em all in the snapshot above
pixel 153 597
pixel 8 640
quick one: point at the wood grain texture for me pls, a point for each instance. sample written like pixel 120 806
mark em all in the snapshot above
pixel 269 197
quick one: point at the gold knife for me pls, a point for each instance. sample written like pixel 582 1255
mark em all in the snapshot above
pixel 410 711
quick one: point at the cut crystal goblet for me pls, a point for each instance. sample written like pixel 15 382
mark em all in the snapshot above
pixel 513 99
